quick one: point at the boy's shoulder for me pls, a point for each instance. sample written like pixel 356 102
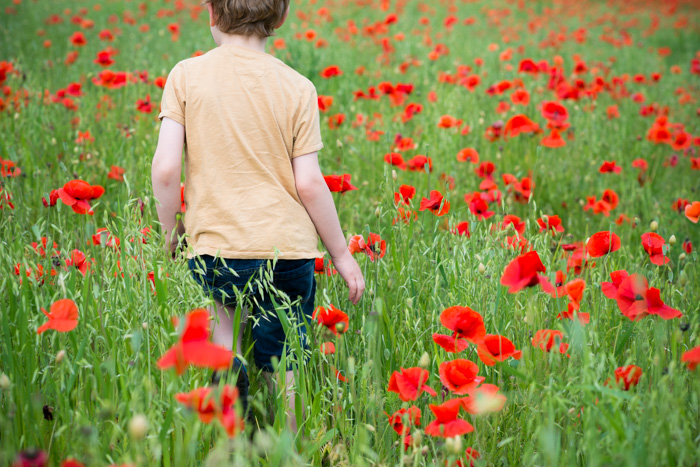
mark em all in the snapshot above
pixel 291 77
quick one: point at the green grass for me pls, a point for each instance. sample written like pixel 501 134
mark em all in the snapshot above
pixel 559 410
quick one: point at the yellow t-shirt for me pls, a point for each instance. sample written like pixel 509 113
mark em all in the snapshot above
pixel 246 116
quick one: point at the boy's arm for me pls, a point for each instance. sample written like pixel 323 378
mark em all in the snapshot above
pixel 317 200
pixel 166 172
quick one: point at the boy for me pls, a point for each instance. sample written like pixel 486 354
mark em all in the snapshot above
pixel 254 191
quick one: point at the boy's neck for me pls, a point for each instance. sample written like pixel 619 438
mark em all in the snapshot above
pixel 253 42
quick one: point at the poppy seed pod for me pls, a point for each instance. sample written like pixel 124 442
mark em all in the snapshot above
pixel 424 360
pixel 4 381
pixel 138 426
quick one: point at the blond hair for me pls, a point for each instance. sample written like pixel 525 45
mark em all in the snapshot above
pixel 248 17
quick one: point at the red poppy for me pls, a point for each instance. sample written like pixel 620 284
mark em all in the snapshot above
pixel 552 223
pixel 460 375
pixel 692 212
pixel 339 183
pixel 109 239
pixel 63 316
pixel 409 383
pixel 53 198
pixel 8 168
pixel 451 344
pixel 405 194
pixel 573 290
pixel 396 159
pixel 448 121
pixel 331 71
pixel 636 300
pixel 144 105
pixel 520 97
pixel 610 167
pixel 519 123
pixel 468 155
pixel 193 347
pixel 403 419
pixel 653 244
pixel 628 376
pixel 523 272
pixel 553 140
pixel 554 112
pixel 478 206
pixel 203 401
pixel 419 162
pixel 77 194
pixel 116 173
pixel 571 313
pixel 332 318
pixel 447 424
pixel 436 204
pixel 545 339
pixel 465 323
pixel 602 243
pixel 691 357
pixel 497 348
pixel 483 399
pixel 510 219
pixel 79 261
pixel 78 39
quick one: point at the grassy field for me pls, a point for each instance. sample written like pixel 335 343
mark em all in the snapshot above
pixel 600 81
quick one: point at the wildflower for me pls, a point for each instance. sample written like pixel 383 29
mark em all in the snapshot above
pixel 465 323
pixel 208 407
pixel 460 375
pixel 497 348
pixel 339 183
pixel 409 383
pixel 77 194
pixel 602 243
pixel 116 173
pixel 451 344
pixel 691 357
pixel 330 318
pixel 636 299
pixel 610 167
pixel 193 347
pixel 628 376
pixel 468 155
pixel 62 318
pixel 446 424
pixel 523 272
pixel 653 244
pixel 552 223
pixel 483 399
pixel 692 212
pixel 398 419
pixel 545 339
pixel 436 204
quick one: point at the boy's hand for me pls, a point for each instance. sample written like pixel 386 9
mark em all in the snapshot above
pixel 349 270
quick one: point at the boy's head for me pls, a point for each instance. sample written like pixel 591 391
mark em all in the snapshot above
pixel 247 17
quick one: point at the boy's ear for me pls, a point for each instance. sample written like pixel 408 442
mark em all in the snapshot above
pixel 212 19
pixel 284 18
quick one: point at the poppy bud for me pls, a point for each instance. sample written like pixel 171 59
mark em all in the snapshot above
pixel 378 211
pixel 681 257
pixel 417 437
pixel 144 325
pixel 672 240
pixel 138 426
pixel 653 226
pixel 424 451
pixel 4 381
pixel 394 175
pixel 482 268
pixel 424 360
pixel 370 428
pixel 351 365
pixel 53 141
pixel 683 279
pixel 60 356
pixel 340 327
pixel 454 445
pixel 338 143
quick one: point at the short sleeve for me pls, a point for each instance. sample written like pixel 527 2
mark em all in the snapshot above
pixel 307 128
pixel 172 104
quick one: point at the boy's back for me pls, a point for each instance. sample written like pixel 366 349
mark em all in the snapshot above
pixel 246 115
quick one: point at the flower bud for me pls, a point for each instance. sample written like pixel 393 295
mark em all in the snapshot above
pixel 672 240
pixel 482 268
pixel 138 426
pixel 340 327
pixel 370 428
pixel 653 226
pixel 417 437
pixel 144 325
pixel 424 360
pixel 338 143
pixel 378 212
pixel 681 257
pixel 60 356
pixel 4 381
pixel 394 175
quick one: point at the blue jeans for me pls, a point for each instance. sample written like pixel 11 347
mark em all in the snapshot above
pixel 223 278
